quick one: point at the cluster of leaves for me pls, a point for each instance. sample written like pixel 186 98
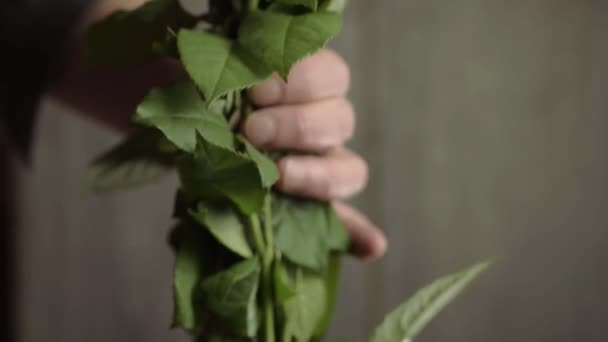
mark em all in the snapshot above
pixel 251 264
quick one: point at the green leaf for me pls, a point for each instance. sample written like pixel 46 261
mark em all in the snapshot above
pixel 130 37
pixel 266 166
pixel 188 272
pixel 411 317
pixel 283 287
pixel 286 9
pixel 310 4
pixel 217 65
pixel 231 297
pixel 306 231
pixel 305 310
pixel 141 158
pixel 331 280
pixel 216 173
pixel 224 224
pixel 337 237
pixel 281 40
pixel 179 112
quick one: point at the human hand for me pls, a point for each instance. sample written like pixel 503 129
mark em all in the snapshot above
pixel 312 114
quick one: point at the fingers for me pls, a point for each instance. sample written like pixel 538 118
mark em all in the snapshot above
pixel 322 75
pixel 367 240
pixel 316 126
pixel 310 113
pixel 338 174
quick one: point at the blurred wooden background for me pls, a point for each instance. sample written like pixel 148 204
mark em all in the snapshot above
pixel 484 122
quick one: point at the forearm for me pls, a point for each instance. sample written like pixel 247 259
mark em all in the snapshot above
pixel 105 93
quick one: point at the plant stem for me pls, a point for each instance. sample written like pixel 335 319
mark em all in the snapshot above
pixel 269 324
pixel 235 120
pixel 258 238
pixel 268 231
pixel 266 252
pixel 269 266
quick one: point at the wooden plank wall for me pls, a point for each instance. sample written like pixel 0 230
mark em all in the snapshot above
pixel 484 122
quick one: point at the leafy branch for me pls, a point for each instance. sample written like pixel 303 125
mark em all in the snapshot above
pixel 250 264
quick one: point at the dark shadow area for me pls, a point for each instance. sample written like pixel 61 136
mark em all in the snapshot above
pixel 6 250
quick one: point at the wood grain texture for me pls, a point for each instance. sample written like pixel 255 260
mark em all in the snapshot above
pixel 484 123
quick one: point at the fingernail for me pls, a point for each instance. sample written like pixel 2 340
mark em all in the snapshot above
pixel 270 92
pixel 378 247
pixel 261 129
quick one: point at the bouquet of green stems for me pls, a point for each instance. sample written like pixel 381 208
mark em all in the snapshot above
pixel 251 264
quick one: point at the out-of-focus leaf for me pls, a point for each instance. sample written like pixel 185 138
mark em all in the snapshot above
pixel 188 272
pixel 141 158
pixel 133 37
pixel 331 279
pixel 411 317
pixel 310 4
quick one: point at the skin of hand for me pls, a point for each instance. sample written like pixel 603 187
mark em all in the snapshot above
pixel 310 113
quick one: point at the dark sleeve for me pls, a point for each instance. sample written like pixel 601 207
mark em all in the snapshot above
pixel 34 35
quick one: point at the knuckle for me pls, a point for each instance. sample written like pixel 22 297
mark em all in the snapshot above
pixel 358 169
pixel 321 182
pixel 302 126
pixel 294 178
pixel 304 176
pixel 282 165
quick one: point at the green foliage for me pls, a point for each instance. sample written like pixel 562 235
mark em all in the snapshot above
pixel 189 270
pixel 178 111
pixel 310 4
pixel 307 231
pixel 225 225
pixel 411 317
pixel 230 296
pixel 266 167
pixel 217 174
pixel 330 279
pixel 283 287
pixel 251 265
pixel 217 65
pixel 280 40
pixel 141 158
pixel 304 311
pixel 138 36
